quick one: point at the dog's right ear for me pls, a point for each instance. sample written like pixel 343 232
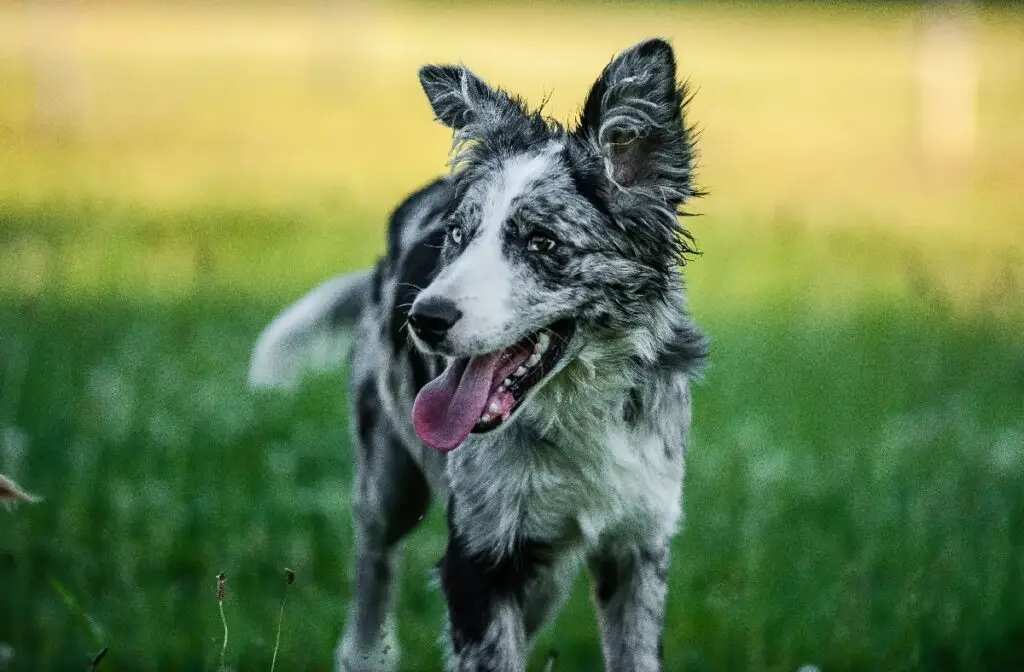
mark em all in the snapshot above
pixel 460 98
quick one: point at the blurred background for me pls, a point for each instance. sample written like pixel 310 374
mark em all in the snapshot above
pixel 171 174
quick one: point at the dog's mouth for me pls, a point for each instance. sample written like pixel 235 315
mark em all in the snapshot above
pixel 479 394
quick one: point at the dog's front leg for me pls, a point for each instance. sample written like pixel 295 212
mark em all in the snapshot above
pixel 630 586
pixel 495 644
pixel 485 592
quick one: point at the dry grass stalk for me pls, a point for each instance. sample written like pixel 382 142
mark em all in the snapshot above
pixel 290 579
pixel 12 492
pixel 221 592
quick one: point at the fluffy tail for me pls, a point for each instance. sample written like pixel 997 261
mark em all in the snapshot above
pixel 313 334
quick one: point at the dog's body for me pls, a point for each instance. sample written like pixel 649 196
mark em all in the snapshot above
pixel 549 367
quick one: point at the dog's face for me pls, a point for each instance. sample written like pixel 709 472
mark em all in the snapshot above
pixel 555 237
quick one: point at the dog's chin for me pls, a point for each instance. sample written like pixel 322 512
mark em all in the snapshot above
pixel 485 392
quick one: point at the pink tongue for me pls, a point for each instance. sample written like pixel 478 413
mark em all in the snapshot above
pixel 448 407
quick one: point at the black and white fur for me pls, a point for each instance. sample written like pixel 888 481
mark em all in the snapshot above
pixel 589 469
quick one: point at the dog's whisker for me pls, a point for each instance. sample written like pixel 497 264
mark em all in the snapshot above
pixel 410 285
pixel 555 336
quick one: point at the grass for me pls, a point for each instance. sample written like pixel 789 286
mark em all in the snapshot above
pixel 855 492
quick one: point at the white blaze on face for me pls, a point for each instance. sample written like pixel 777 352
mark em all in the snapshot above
pixel 481 280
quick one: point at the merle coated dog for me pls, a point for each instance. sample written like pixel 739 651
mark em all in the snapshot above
pixel 524 352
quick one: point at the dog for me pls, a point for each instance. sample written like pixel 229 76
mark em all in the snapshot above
pixel 523 351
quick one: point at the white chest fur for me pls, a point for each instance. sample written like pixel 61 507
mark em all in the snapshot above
pixel 634 489
pixel 615 481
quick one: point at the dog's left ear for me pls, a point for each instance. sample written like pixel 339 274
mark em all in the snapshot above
pixel 633 117
pixel 460 99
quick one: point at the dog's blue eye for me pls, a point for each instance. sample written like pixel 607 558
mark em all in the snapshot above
pixel 540 244
pixel 455 233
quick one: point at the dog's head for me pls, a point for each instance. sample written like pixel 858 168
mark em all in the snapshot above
pixel 557 238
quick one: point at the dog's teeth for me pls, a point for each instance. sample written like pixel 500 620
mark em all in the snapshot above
pixel 532 361
pixel 493 408
pixel 508 381
pixel 486 417
pixel 542 342
pixel 521 371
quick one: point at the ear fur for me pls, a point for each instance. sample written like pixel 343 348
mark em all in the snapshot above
pixel 633 118
pixel 460 99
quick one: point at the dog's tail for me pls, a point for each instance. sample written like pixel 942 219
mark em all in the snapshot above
pixel 312 335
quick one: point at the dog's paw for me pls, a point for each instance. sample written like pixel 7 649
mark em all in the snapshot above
pixel 383 657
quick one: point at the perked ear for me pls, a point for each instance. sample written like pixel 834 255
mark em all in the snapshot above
pixel 633 117
pixel 460 98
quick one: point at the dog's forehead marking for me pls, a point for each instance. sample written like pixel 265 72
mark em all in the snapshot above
pixel 518 174
pixel 483 280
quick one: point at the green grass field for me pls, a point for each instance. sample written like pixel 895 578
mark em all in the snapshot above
pixel 855 486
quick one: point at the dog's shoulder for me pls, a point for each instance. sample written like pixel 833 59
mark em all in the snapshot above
pixel 635 476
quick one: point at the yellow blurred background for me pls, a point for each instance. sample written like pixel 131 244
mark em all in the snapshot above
pixel 816 110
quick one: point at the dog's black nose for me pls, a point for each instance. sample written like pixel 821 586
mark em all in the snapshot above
pixel 432 317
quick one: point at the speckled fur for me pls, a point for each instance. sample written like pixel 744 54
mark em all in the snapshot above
pixel 590 470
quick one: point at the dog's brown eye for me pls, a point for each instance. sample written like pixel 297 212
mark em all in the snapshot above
pixel 540 244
